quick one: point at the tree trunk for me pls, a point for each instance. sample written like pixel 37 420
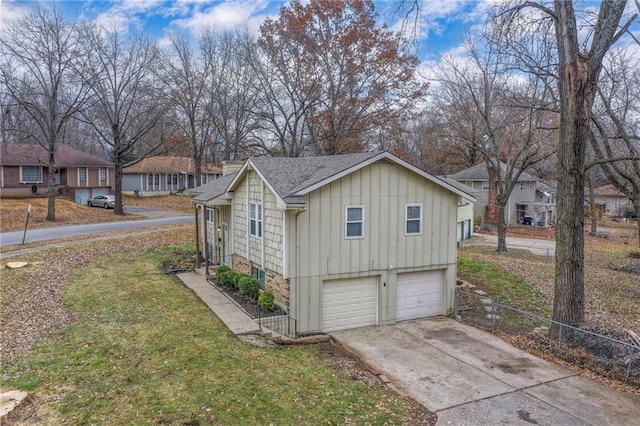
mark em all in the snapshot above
pixel 118 185
pixel 502 227
pixel 51 181
pixel 636 205
pixel 593 210
pixel 578 76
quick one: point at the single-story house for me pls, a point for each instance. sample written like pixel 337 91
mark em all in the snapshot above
pixel 341 241
pixel 158 175
pixel 612 201
pixel 531 198
pixel 24 171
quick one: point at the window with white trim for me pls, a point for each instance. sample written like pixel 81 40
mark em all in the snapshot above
pixel 485 186
pixel 209 215
pixel 103 174
pixel 354 224
pixel 413 219
pixel 30 174
pixel 255 220
pixel 82 174
pixel 521 186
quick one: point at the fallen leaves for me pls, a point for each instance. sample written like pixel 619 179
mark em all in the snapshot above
pixel 32 304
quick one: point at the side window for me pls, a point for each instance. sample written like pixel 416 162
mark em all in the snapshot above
pixel 413 219
pixel 258 274
pixel 485 186
pixel 82 174
pixel 354 225
pixel 255 220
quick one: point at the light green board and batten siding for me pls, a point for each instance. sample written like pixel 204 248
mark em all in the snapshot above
pixel 323 253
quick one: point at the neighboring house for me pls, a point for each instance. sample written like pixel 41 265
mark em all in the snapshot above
pixel 165 175
pixel 612 201
pixel 341 241
pixel 464 228
pixel 531 198
pixel 79 176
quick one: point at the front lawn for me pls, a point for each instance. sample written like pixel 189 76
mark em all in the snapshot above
pixel 144 350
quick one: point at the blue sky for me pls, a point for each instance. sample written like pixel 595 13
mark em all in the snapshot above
pixel 441 21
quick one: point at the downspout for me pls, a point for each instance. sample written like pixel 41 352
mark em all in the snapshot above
pixel 197 239
pixel 297 277
pixel 206 242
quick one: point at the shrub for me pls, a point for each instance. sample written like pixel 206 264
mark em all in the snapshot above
pixel 267 300
pixel 237 279
pixel 222 268
pixel 227 278
pixel 250 287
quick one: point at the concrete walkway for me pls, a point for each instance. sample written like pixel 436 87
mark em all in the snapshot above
pixel 229 313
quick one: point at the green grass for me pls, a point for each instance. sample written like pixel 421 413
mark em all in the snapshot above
pixel 145 350
pixel 506 288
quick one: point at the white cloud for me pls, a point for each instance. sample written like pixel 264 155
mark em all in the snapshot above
pixel 10 11
pixel 227 15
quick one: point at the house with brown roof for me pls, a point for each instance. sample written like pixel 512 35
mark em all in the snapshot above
pixel 165 175
pixel 612 201
pixel 24 171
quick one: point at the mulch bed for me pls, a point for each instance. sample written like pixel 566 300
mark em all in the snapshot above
pixel 249 306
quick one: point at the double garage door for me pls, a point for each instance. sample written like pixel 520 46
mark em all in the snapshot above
pixel 354 303
pixel 83 195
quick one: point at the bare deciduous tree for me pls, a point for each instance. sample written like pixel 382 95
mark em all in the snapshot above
pixel 126 105
pixel 39 68
pixel 493 113
pixel 186 75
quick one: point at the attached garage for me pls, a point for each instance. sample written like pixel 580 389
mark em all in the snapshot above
pixel 99 191
pixel 349 303
pixel 419 294
pixel 82 196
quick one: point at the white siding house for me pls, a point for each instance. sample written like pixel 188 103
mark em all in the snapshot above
pixel 342 241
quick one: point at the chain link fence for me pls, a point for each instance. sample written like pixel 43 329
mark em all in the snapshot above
pixel 601 354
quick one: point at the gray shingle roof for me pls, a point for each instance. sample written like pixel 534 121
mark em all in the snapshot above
pixel 288 176
pixel 215 188
pixel 479 173
pixel 291 178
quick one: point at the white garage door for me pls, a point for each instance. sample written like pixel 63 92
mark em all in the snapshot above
pixel 349 303
pixel 99 191
pixel 419 294
pixel 82 196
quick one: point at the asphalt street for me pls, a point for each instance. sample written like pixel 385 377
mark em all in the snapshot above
pixel 60 232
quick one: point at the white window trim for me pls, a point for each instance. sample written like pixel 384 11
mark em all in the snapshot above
pixel 521 186
pixel 259 221
pixel 24 181
pixel 406 218
pixel 346 221
pixel 86 176
pixel 485 188
pixel 209 214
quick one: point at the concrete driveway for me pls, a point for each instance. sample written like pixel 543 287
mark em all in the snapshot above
pixel 471 377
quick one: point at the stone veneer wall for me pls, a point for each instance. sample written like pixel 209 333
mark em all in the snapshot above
pixel 273 282
pixel 240 264
pixel 279 286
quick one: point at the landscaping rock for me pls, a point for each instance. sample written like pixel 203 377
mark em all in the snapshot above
pixel 9 401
